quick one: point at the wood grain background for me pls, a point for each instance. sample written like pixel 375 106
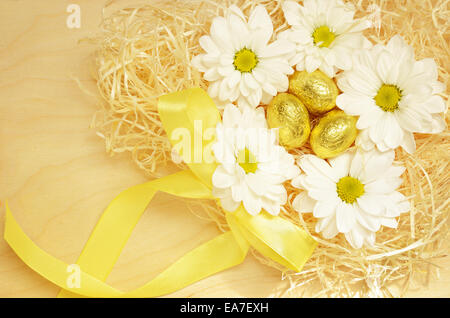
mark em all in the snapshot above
pixel 58 178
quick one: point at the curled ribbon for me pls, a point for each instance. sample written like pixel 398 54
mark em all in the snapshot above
pixel 274 237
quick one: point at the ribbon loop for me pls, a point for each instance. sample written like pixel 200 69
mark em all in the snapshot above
pixel 112 232
pixel 188 113
pixel 214 256
pixel 276 238
pixel 121 216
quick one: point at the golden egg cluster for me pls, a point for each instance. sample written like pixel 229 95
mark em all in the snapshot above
pixel 311 94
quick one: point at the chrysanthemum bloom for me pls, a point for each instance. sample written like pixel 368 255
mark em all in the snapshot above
pixel 354 193
pixel 252 167
pixel 325 33
pixel 394 96
pixel 239 63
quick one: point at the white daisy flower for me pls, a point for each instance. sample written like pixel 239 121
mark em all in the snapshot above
pixel 239 62
pixel 252 167
pixel 353 194
pixel 325 33
pixel 394 96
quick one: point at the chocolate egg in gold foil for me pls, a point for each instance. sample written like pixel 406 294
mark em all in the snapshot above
pixel 334 133
pixel 317 91
pixel 288 113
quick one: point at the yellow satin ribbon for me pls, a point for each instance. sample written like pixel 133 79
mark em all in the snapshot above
pixel 274 237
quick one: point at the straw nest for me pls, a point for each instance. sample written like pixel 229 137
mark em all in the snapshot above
pixel 144 51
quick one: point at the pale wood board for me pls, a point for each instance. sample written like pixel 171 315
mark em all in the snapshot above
pixel 58 178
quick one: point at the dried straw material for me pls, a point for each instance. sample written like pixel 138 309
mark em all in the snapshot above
pixel 145 52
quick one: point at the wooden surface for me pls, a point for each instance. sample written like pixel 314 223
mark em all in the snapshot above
pixel 58 178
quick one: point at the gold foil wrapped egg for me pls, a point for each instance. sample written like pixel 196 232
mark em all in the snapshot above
pixel 317 91
pixel 334 133
pixel 288 113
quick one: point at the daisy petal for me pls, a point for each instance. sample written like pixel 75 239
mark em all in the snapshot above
pixel 324 208
pixel 389 222
pixel 371 204
pixel 345 217
pixel 292 12
pixel 303 203
pixel 355 239
pixel 370 222
pixel 331 229
pixel 408 143
pixel 228 204
pixel 341 164
pixel 222 179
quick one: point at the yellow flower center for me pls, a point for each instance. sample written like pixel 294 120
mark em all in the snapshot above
pixel 245 60
pixel 247 161
pixel 323 37
pixel 349 189
pixel 388 97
